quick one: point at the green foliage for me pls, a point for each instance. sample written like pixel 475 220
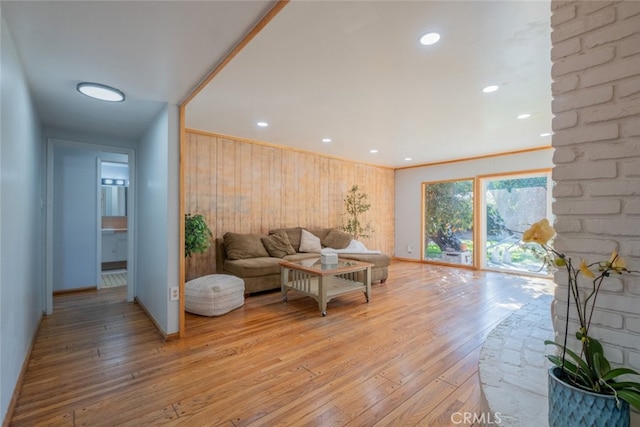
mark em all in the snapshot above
pixel 196 234
pixel 448 207
pixel 495 223
pixel 592 371
pixel 356 205
pixel 510 184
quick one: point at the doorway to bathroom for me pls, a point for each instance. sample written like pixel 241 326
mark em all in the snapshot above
pixel 75 223
pixel 114 224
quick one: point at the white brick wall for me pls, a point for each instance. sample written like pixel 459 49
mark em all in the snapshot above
pixel 596 90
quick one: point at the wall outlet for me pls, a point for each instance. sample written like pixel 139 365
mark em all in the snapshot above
pixel 174 293
pixel 409 249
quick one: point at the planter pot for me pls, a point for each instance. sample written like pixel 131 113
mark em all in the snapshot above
pixel 570 406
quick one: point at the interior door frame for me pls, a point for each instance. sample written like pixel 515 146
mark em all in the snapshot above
pixel 131 243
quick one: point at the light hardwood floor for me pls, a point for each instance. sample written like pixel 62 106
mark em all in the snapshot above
pixel 409 357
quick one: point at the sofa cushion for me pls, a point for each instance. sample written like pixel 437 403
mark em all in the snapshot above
pixel 278 245
pixel 293 234
pixel 321 233
pixel 378 260
pixel 253 267
pixel 309 242
pixel 242 246
pixel 301 255
pixel 337 239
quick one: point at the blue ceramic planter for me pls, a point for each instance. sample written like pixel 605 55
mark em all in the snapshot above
pixel 573 407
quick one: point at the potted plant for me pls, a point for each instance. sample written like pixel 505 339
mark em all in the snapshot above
pixel 601 396
pixel 196 234
pixel 355 204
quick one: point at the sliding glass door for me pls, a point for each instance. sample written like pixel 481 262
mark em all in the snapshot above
pixel 488 215
pixel 448 221
pixel 511 204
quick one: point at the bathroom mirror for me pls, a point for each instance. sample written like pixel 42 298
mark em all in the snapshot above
pixel 114 200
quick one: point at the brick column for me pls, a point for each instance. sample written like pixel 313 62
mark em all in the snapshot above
pixel 596 103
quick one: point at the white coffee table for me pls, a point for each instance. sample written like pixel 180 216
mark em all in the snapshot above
pixel 323 282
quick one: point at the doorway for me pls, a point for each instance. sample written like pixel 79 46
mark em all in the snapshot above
pixel 74 217
pixel 114 229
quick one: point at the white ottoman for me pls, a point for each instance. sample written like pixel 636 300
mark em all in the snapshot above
pixel 213 295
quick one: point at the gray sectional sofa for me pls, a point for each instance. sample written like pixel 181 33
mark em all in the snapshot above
pixel 256 257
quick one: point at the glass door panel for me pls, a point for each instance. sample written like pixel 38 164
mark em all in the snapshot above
pixel 512 204
pixel 448 222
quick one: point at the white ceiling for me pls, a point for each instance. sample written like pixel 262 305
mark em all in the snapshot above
pixel 154 51
pixel 349 70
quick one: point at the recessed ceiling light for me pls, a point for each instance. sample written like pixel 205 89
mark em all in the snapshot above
pixel 491 88
pixel 524 116
pixel 544 135
pixel 326 140
pixel 408 158
pixel 429 39
pixel 100 91
pixel 263 124
pixel 374 151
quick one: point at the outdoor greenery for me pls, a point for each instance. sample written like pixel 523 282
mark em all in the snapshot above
pixel 356 205
pixel 589 370
pixel 196 235
pixel 449 212
pixel 510 184
pixel 448 208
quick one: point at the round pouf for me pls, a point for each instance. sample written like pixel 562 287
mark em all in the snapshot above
pixel 213 295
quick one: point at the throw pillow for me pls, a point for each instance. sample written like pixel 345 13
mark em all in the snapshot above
pixel 292 233
pixel 337 239
pixel 243 246
pixel 309 242
pixel 278 245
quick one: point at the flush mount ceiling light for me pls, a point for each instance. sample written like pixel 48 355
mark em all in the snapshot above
pixel 429 39
pixel 524 116
pixel 544 135
pixel 263 124
pixel 491 88
pixel 374 151
pixel 408 158
pixel 100 91
pixel 326 140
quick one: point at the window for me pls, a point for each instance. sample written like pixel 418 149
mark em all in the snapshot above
pixel 511 204
pixel 503 208
pixel 448 221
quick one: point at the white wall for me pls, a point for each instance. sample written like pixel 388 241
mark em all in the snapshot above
pixel 89 138
pixel 75 215
pixel 74 218
pixel 409 189
pixel 21 219
pixel 157 211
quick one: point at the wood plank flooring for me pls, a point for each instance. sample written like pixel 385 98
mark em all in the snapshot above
pixel 409 357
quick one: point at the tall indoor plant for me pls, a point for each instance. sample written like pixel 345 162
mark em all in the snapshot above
pixel 356 205
pixel 588 375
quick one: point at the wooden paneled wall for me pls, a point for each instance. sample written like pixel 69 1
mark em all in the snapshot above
pixel 247 187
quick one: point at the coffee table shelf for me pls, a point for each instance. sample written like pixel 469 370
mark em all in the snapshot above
pixel 324 282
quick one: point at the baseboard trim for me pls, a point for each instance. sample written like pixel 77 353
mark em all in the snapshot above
pixel 75 290
pixel 395 258
pixel 163 334
pixel 18 388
